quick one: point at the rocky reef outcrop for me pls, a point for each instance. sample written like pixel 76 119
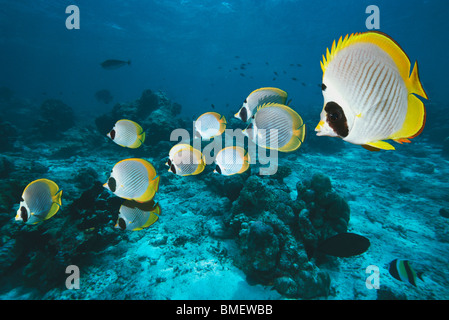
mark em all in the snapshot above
pixel 275 232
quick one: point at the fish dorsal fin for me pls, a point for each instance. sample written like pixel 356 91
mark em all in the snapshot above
pixel 268 104
pixel 278 91
pixel 377 38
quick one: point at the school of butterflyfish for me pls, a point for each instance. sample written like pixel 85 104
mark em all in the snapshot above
pixel 369 94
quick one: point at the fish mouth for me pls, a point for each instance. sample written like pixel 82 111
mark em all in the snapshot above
pixel 319 126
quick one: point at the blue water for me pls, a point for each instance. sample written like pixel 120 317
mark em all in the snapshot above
pixel 193 51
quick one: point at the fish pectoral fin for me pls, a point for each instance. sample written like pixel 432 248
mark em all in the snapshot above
pixel 379 145
pixel 414 122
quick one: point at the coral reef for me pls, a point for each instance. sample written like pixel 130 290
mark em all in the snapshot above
pixel 8 136
pixel 154 112
pixel 55 118
pixel 274 230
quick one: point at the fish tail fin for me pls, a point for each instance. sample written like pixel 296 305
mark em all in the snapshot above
pixel 57 198
pixel 57 203
pixel 414 122
pixel 415 85
pixel 142 137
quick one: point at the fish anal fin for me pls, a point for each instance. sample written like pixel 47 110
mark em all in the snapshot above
pixel 414 84
pixel 372 146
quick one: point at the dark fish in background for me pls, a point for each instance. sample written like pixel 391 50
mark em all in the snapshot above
pixel 104 96
pixel 342 245
pixel 212 105
pixel 403 271
pixel 294 79
pixel 242 74
pixel 114 64
pixel 275 73
pixel 299 65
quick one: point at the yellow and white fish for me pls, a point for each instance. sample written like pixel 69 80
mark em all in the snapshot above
pixel 260 97
pixel 232 160
pixel 276 126
pixel 133 179
pixel 175 149
pixel 127 133
pixel 369 93
pixel 41 199
pixel 209 125
pixel 187 161
pixel 135 216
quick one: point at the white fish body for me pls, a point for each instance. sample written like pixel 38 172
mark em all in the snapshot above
pixel 41 200
pixel 258 98
pixel 367 92
pixel 133 179
pixel 232 160
pixel 210 124
pixel 276 126
pixel 127 133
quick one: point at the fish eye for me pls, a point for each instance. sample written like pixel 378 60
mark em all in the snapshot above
pixel 218 169
pixel 24 214
pixel 121 223
pixel 246 101
pixel 173 169
pixel 323 87
pixel 244 114
pixel 112 134
pixel 335 116
pixel 112 184
pixel 334 112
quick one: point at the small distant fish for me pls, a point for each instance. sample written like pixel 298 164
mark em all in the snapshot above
pixel 242 74
pixel 299 65
pixel 41 199
pixel 127 133
pixel 294 79
pixel 275 73
pixel 274 79
pixel 303 84
pixel 403 271
pixel 135 216
pixel 257 98
pixel 232 160
pixel 212 106
pixel 343 245
pixel 369 93
pixel 237 57
pixel 187 161
pixel 209 125
pixel 133 179
pixel 267 63
pixel 276 126
pixel 114 64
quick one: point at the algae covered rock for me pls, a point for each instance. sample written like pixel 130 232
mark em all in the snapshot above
pixel 55 117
